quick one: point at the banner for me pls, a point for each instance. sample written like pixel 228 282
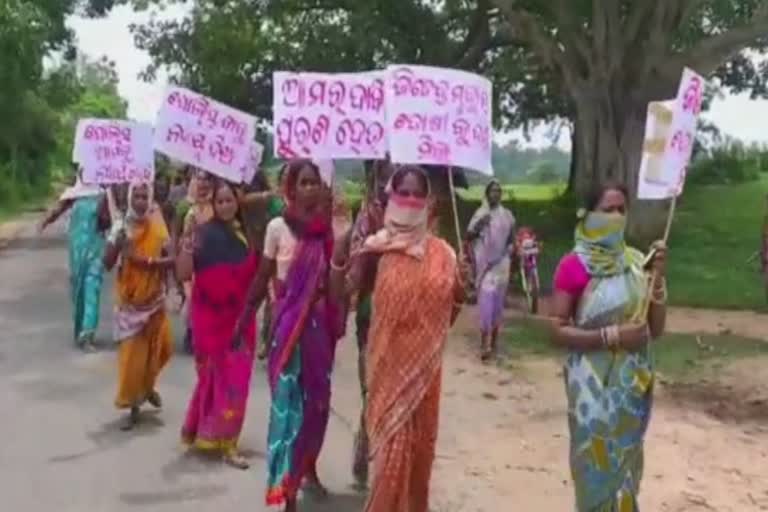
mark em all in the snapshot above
pixel 669 138
pixel 205 133
pixel 114 151
pixel 439 116
pixel 329 116
pixel 251 167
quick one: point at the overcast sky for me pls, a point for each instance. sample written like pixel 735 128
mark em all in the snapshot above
pixel 737 116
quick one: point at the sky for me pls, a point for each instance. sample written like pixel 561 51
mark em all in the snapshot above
pixel 735 115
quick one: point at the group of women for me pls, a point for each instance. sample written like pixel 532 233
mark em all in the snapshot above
pixel 407 287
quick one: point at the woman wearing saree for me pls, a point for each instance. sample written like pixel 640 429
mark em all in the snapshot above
pixel 217 253
pixel 417 294
pixel 306 325
pixel 605 319
pixel 491 233
pixel 88 221
pixel 143 252
pixel 198 211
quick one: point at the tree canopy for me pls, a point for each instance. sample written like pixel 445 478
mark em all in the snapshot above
pixel 39 105
pixel 593 63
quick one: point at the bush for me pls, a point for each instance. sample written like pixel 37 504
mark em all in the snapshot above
pixel 731 163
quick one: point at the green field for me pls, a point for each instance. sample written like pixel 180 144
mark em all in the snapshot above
pixel 715 232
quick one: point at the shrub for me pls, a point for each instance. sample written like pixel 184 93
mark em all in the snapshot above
pixel 730 163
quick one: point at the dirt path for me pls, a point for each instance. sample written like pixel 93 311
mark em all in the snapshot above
pixel 503 439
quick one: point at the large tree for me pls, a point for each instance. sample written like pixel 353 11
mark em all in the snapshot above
pixel 594 63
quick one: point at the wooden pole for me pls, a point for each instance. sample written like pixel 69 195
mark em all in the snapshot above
pixel 452 191
pixel 652 279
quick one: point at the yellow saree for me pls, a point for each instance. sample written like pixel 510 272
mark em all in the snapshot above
pixel 141 324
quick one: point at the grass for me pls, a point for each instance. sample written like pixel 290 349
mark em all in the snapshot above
pixel 676 355
pixel 9 211
pixel 716 230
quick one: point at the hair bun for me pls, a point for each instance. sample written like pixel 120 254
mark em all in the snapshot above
pixel 581 213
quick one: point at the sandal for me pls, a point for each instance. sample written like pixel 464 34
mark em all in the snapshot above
pixel 237 461
pixel 131 421
pixel 154 399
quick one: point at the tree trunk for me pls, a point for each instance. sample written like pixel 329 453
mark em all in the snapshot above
pixel 608 140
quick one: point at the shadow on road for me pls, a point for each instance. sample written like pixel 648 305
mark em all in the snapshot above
pixel 335 503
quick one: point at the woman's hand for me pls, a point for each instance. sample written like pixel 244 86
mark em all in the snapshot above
pixel 633 337
pixel 659 262
pixel 341 247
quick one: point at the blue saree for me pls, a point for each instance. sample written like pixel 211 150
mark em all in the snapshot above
pixel 86 250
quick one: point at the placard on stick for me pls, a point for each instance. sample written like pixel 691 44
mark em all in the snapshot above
pixel 439 116
pixel 205 133
pixel 114 151
pixel 329 116
pixel 670 134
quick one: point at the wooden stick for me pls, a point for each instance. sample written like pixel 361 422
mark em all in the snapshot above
pixel 652 279
pixel 455 213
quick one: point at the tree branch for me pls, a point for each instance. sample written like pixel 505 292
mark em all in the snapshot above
pixel 523 27
pixel 478 39
pixel 712 52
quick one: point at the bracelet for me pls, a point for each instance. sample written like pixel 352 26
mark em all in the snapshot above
pixel 660 294
pixel 610 337
pixel 339 268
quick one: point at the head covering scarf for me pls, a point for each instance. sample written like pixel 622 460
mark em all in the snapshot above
pixel 600 243
pixel 406 222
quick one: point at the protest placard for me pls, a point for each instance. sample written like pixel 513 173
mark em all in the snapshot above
pixel 669 139
pixel 114 151
pixel 439 116
pixel 251 167
pixel 329 116
pixel 205 133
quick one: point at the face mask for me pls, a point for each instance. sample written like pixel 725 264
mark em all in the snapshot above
pixel 605 226
pixel 406 211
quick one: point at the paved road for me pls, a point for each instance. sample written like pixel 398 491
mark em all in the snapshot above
pixel 60 444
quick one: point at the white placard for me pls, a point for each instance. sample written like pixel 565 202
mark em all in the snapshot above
pixel 671 126
pixel 329 116
pixel 114 151
pixel 205 133
pixel 254 162
pixel 439 116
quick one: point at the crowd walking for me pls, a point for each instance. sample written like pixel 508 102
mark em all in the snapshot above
pixel 230 251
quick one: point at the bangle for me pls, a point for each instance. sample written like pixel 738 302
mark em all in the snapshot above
pixel 659 294
pixel 614 336
pixel 339 268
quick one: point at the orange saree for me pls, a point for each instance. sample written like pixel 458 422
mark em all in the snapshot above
pixel 141 324
pixel 412 304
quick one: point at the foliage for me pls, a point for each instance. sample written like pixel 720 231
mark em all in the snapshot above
pixel 731 162
pixel 594 64
pixel 37 106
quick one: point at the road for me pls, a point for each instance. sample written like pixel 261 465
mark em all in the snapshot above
pixel 60 444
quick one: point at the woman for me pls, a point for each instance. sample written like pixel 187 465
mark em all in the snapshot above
pixel 261 205
pixel 369 220
pixel 306 325
pixel 417 295
pixel 141 325
pixel 199 210
pixel 491 233
pixel 603 318
pixel 223 264
pixel 88 222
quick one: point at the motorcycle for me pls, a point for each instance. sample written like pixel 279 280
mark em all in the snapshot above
pixel 527 250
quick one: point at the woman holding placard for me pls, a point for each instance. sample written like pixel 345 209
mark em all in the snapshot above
pixel 306 324
pixel 418 293
pixel 223 263
pixel 87 224
pixel 141 325
pixel 606 316
pixel 491 233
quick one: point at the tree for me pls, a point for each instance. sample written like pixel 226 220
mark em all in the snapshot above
pixel 596 63
pixel 32 100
